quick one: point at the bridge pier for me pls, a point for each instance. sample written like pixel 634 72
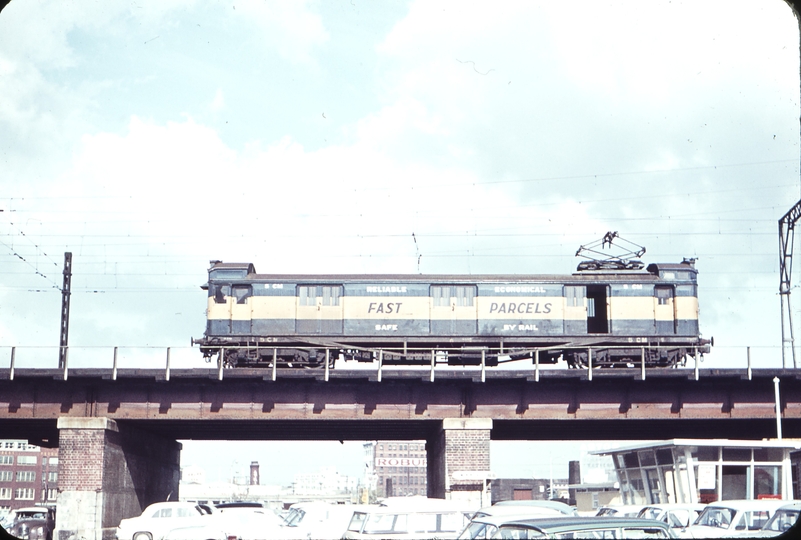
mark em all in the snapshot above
pixel 459 461
pixel 109 471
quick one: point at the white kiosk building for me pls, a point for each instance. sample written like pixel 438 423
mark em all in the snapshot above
pixel 703 470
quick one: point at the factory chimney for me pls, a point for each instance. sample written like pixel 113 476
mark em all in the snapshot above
pixel 254 473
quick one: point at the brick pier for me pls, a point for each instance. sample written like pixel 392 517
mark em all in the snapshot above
pixel 108 472
pixel 459 460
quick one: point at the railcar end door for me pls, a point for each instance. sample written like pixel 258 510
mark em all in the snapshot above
pixel 664 310
pixel 241 309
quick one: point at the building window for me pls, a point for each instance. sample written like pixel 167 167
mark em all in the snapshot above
pixel 52 494
pixel 5 493
pixel 26 476
pixel 26 460
pixel 8 444
pixel 21 445
pixel 6 476
pixel 52 476
pixel 6 460
pixel 53 461
pixel 24 494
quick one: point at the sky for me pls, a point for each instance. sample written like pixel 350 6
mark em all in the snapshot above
pixel 149 137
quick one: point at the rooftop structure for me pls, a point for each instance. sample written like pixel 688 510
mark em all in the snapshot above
pixel 703 470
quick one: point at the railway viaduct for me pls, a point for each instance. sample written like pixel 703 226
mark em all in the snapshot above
pixel 117 432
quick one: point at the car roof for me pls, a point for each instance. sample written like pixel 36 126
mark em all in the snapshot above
pixel 522 510
pixel 749 504
pixel 675 506
pixel 503 519
pixel 33 509
pixel 408 510
pixel 554 525
pixel 240 504
pixel 555 505
pixel 170 504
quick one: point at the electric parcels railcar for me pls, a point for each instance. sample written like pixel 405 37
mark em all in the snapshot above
pixel 612 318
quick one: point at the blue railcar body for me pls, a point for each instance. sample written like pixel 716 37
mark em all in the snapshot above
pixel 622 317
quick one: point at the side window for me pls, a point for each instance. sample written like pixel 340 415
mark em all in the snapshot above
pixel 663 294
pixel 463 295
pixel 575 295
pixel 329 294
pixel 242 293
pixel 220 292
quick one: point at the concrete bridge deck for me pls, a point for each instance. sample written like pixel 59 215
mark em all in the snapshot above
pixel 354 405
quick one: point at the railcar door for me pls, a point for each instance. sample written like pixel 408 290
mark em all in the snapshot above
pixel 240 308
pixel 453 310
pixel 575 309
pixel 597 309
pixel 319 309
pixel 664 310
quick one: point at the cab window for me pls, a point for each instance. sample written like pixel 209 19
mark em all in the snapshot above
pixel 241 293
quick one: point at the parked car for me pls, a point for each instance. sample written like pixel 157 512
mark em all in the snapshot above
pixel 485 522
pixel 556 506
pixel 198 532
pixel 33 523
pixel 247 521
pixel 620 510
pixel 485 527
pixel 317 520
pixel 781 522
pixel 407 521
pixel 160 518
pixel 584 527
pixel 675 515
pixel 732 518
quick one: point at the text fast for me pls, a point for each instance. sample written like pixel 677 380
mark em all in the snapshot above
pixel 381 307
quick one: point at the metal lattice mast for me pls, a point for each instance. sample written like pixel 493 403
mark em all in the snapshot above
pixel 786 236
pixel 65 310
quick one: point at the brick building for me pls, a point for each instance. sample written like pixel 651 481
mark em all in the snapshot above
pixel 400 468
pixel 28 475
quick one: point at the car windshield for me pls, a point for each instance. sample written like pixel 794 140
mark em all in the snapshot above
pixel 24 516
pixel 649 512
pixel 716 516
pixel 294 517
pixel 480 531
pixel 782 520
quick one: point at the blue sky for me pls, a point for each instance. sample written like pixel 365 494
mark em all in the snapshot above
pixel 148 138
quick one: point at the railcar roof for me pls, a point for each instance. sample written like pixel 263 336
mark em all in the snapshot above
pixel 467 278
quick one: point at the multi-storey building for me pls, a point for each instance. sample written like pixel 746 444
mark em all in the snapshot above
pixel 28 475
pixel 400 468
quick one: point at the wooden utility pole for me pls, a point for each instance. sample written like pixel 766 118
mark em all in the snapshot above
pixel 65 310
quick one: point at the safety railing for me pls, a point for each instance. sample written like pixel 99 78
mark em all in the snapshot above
pixel 116 360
